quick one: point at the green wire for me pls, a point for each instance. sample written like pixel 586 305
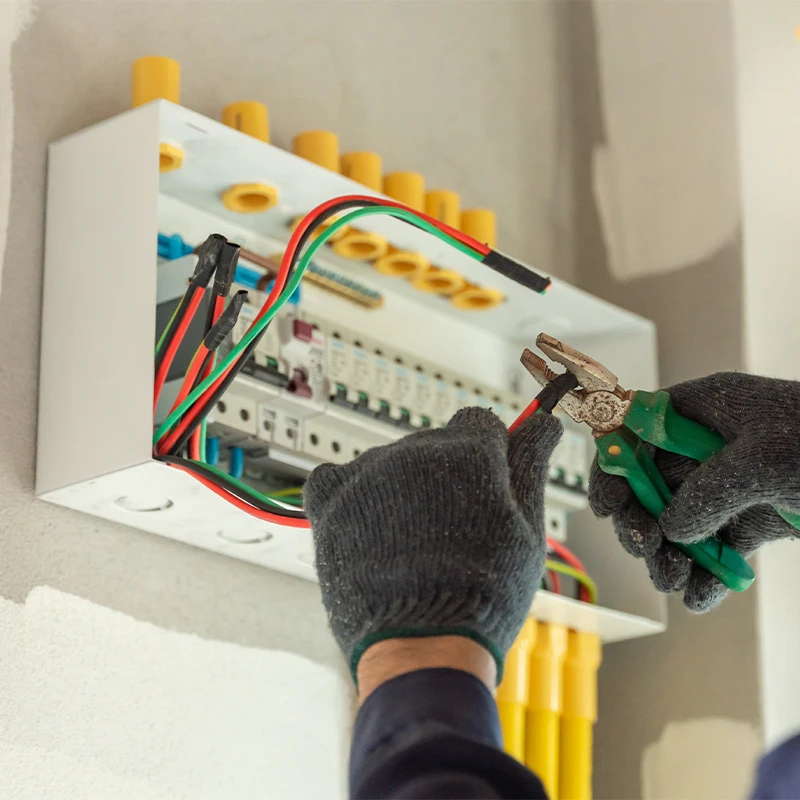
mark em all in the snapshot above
pixel 264 498
pixel 166 330
pixel 571 572
pixel 293 283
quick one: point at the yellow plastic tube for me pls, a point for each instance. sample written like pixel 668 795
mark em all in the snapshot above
pixel 407 188
pixel 477 298
pixel 363 167
pixel 444 205
pixel 250 198
pixel 321 147
pixel 155 78
pixel 544 704
pixel 512 694
pixel 579 713
pixel 249 117
pixel 361 245
pixel 480 224
pixel 440 281
pixel 402 264
pixel 158 78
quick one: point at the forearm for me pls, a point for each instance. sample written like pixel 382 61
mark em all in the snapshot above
pixel 428 725
pixel 394 657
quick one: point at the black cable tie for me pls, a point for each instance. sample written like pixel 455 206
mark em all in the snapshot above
pixel 516 272
pixel 208 254
pixel 227 319
pixel 226 269
pixel 555 391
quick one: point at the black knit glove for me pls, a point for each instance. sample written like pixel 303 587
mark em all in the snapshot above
pixel 732 494
pixel 441 532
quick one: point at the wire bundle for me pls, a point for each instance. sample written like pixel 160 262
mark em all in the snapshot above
pixel 562 561
pixel 206 381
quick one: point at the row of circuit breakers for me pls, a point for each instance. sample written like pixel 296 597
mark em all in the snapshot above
pixel 317 388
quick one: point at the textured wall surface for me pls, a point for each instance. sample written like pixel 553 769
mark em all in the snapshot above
pixel 460 92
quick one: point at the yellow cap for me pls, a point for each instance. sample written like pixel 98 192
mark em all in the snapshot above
pixel 476 298
pixel 480 224
pixel 321 147
pixel 442 204
pixel 440 281
pixel 580 675
pixel 250 198
pixel 405 187
pixel 361 246
pixel 402 264
pixel 155 78
pixel 249 117
pixel 169 157
pixel 363 167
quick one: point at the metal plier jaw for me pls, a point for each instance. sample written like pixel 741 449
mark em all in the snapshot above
pixel 599 401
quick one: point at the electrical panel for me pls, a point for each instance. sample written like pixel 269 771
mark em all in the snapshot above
pixel 358 358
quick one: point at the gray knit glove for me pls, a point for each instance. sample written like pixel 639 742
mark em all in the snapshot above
pixel 441 532
pixel 732 494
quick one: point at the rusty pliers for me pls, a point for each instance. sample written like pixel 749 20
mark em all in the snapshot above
pixel 622 422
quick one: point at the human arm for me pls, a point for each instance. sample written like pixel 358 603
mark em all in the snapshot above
pixel 439 535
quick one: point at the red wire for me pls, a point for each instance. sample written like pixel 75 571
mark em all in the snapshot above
pixel 191 374
pixel 555 582
pixel 291 522
pixel 283 274
pixel 172 349
pixel 475 244
pixel 528 412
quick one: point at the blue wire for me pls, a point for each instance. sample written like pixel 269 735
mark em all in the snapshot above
pixel 212 450
pixel 236 463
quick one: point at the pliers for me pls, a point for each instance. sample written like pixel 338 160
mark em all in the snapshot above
pixel 622 422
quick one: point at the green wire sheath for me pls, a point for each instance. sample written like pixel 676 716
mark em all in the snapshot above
pixel 571 572
pixel 167 328
pixel 293 283
pixel 264 498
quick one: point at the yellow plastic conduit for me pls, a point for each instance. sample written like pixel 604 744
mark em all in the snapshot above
pixel 579 714
pixel 158 78
pixel 408 188
pixel 544 704
pixel 512 694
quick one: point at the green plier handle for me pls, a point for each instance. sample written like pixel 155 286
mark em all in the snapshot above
pixel 652 419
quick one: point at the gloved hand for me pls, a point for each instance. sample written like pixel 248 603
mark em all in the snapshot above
pixel 732 494
pixel 441 532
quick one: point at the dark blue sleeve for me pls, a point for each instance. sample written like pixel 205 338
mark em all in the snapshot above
pixel 778 776
pixel 434 733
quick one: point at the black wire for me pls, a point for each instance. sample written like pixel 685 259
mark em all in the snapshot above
pixel 230 487
pixel 555 391
pixel 176 319
pixel 305 237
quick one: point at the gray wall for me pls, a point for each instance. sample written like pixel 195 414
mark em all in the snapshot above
pixel 432 88
pixel 496 99
pixel 704 666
